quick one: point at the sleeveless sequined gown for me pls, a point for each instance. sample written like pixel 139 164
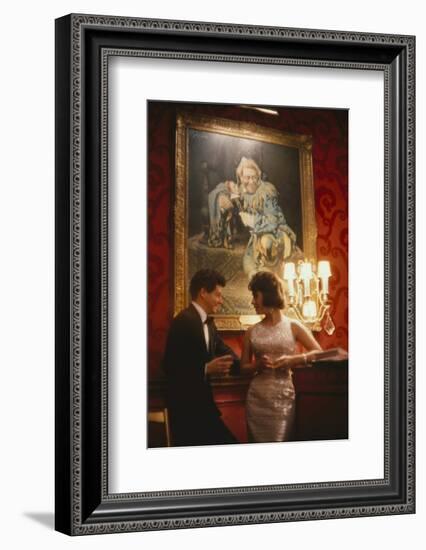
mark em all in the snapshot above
pixel 270 405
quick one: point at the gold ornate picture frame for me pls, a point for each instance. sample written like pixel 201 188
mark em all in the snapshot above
pixel 236 296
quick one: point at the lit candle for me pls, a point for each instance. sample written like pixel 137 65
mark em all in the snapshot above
pixel 290 276
pixel 309 310
pixel 306 276
pixel 324 272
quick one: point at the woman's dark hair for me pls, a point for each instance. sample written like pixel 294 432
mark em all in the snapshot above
pixel 208 279
pixel 270 287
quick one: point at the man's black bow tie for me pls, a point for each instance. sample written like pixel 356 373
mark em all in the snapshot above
pixel 209 321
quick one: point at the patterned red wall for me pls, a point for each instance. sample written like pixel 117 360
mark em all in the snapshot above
pixel 330 164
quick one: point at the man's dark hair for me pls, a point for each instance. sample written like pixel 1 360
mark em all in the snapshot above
pixel 207 279
pixel 270 287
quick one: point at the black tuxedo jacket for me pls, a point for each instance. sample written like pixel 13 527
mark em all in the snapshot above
pixel 194 416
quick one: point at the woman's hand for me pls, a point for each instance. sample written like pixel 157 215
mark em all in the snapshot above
pixel 284 362
pixel 341 354
pixel 265 362
pixel 313 355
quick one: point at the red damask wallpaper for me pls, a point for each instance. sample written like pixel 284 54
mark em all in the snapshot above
pixel 329 130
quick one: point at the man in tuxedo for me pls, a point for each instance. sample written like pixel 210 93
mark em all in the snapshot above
pixel 195 352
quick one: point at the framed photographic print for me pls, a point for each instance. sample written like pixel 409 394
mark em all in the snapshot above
pixel 234 274
pixel 242 201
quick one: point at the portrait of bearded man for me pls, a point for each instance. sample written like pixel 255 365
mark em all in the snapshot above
pixel 271 239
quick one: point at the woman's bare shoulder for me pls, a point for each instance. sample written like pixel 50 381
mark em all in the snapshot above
pixel 252 328
pixel 293 321
pixel 296 325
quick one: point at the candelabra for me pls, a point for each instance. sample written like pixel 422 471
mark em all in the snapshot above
pixel 307 298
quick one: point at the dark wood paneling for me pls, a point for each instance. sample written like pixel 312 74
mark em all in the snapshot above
pixel 321 402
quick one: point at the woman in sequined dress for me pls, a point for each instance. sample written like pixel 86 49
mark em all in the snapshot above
pixel 269 351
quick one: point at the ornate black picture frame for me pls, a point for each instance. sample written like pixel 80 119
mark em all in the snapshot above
pixel 84 43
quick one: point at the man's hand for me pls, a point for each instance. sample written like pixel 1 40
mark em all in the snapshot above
pixel 219 365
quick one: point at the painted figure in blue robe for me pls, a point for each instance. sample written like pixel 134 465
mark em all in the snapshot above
pixel 271 239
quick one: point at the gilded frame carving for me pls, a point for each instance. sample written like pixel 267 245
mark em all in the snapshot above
pixel 303 143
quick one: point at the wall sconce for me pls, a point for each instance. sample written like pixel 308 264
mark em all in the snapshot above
pixel 307 299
